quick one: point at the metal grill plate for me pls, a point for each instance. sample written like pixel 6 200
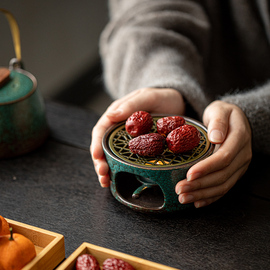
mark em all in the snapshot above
pixel 119 139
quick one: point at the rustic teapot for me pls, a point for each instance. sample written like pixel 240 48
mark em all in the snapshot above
pixel 23 125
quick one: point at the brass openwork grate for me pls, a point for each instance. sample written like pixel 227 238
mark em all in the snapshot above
pixel 119 139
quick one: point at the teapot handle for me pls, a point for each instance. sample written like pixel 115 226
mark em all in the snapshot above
pixel 15 33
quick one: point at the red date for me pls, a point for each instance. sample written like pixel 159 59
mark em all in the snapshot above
pixel 116 264
pixel 183 139
pixel 148 145
pixel 139 123
pixel 167 124
pixel 87 262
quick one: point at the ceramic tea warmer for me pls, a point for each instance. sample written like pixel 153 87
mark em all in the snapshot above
pixel 147 184
pixel 23 125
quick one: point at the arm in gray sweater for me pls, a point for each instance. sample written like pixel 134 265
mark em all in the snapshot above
pixel 194 47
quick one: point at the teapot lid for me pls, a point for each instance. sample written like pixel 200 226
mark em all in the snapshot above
pixel 20 85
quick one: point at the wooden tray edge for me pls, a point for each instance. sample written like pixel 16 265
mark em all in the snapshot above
pixel 52 254
pixel 136 262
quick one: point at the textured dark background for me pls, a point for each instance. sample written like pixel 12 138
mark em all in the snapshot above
pixel 56 188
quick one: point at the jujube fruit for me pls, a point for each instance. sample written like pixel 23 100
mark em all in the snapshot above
pixel 148 145
pixel 167 124
pixel 183 139
pixel 87 262
pixel 139 123
pixel 116 264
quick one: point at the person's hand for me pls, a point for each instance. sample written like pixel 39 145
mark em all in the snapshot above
pixel 152 100
pixel 210 179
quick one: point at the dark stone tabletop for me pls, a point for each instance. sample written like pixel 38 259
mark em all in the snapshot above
pixel 55 188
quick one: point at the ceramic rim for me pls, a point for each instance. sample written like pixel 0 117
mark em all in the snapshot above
pixel 116 139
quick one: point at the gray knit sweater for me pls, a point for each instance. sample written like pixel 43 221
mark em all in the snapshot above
pixel 207 50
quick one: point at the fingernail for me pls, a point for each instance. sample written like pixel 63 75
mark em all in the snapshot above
pixel 99 179
pixel 115 112
pixel 101 183
pixel 193 176
pixel 187 199
pixel 183 189
pixel 216 136
pixel 200 204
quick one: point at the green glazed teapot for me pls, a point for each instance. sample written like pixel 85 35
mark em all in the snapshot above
pixel 23 125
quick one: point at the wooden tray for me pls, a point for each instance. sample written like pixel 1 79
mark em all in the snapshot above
pixel 50 246
pixel 102 254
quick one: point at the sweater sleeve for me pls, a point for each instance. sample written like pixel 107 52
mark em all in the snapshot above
pixel 158 44
pixel 168 44
pixel 256 105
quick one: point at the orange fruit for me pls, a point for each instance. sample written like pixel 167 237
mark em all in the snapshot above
pixel 16 251
pixel 4 227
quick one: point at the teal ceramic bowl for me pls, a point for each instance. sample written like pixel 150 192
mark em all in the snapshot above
pixel 147 184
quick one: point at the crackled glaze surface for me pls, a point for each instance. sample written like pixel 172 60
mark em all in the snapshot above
pixel 23 125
